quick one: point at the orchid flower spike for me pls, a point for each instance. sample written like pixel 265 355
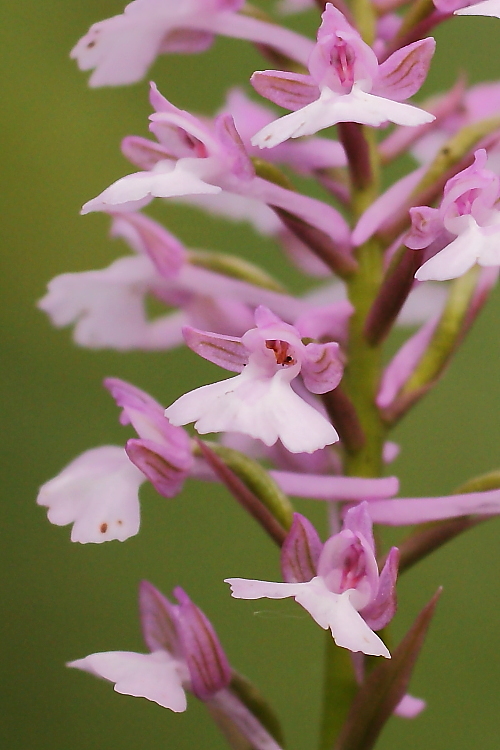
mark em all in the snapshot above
pixel 469 212
pixel 185 654
pixel 338 583
pixel 121 48
pixel 260 401
pixel 345 84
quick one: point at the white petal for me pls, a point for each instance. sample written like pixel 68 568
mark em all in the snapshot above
pixel 153 676
pixel 98 493
pixel 107 307
pixel 351 631
pixel 264 408
pixel 453 261
pixel 329 610
pixel 486 8
pixel 165 180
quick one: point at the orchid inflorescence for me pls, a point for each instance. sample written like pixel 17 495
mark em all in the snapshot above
pixel 310 406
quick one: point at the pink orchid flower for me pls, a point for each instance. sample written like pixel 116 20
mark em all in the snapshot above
pixel 345 84
pixel 185 654
pixel 260 401
pixel 108 306
pixel 469 212
pixel 122 47
pixel 338 583
pixel 195 159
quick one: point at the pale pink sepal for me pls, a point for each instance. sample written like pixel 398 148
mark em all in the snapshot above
pixel 153 676
pixel 158 623
pixel 207 663
pixel 288 90
pixel 486 8
pixel 382 608
pixel 329 610
pixel 322 367
pixel 300 551
pixel 321 487
pixel 409 511
pixel 163 452
pixel 98 494
pixel 225 351
pixel 147 237
pixel 404 72
pixel 157 464
pixel 403 363
pixel 142 152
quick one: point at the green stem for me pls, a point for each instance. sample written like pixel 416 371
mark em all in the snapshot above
pixel 360 384
pixel 339 689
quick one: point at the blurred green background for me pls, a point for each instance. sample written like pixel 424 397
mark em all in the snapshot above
pixel 61 600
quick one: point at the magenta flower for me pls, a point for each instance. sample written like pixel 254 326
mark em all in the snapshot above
pixel 108 306
pixel 122 48
pixel 468 212
pixel 345 84
pixel 260 401
pixel 185 654
pixel 338 583
pixel 98 494
pixel 200 160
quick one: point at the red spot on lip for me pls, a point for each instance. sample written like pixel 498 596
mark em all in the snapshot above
pixel 281 351
pixel 103 528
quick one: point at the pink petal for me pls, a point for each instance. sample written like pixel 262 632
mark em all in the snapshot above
pixel 322 367
pixel 157 620
pixel 160 465
pixel 98 493
pixel 153 676
pixel 382 609
pixel 300 551
pixel 358 520
pixel 208 666
pixel 143 153
pixel 148 237
pixel 239 161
